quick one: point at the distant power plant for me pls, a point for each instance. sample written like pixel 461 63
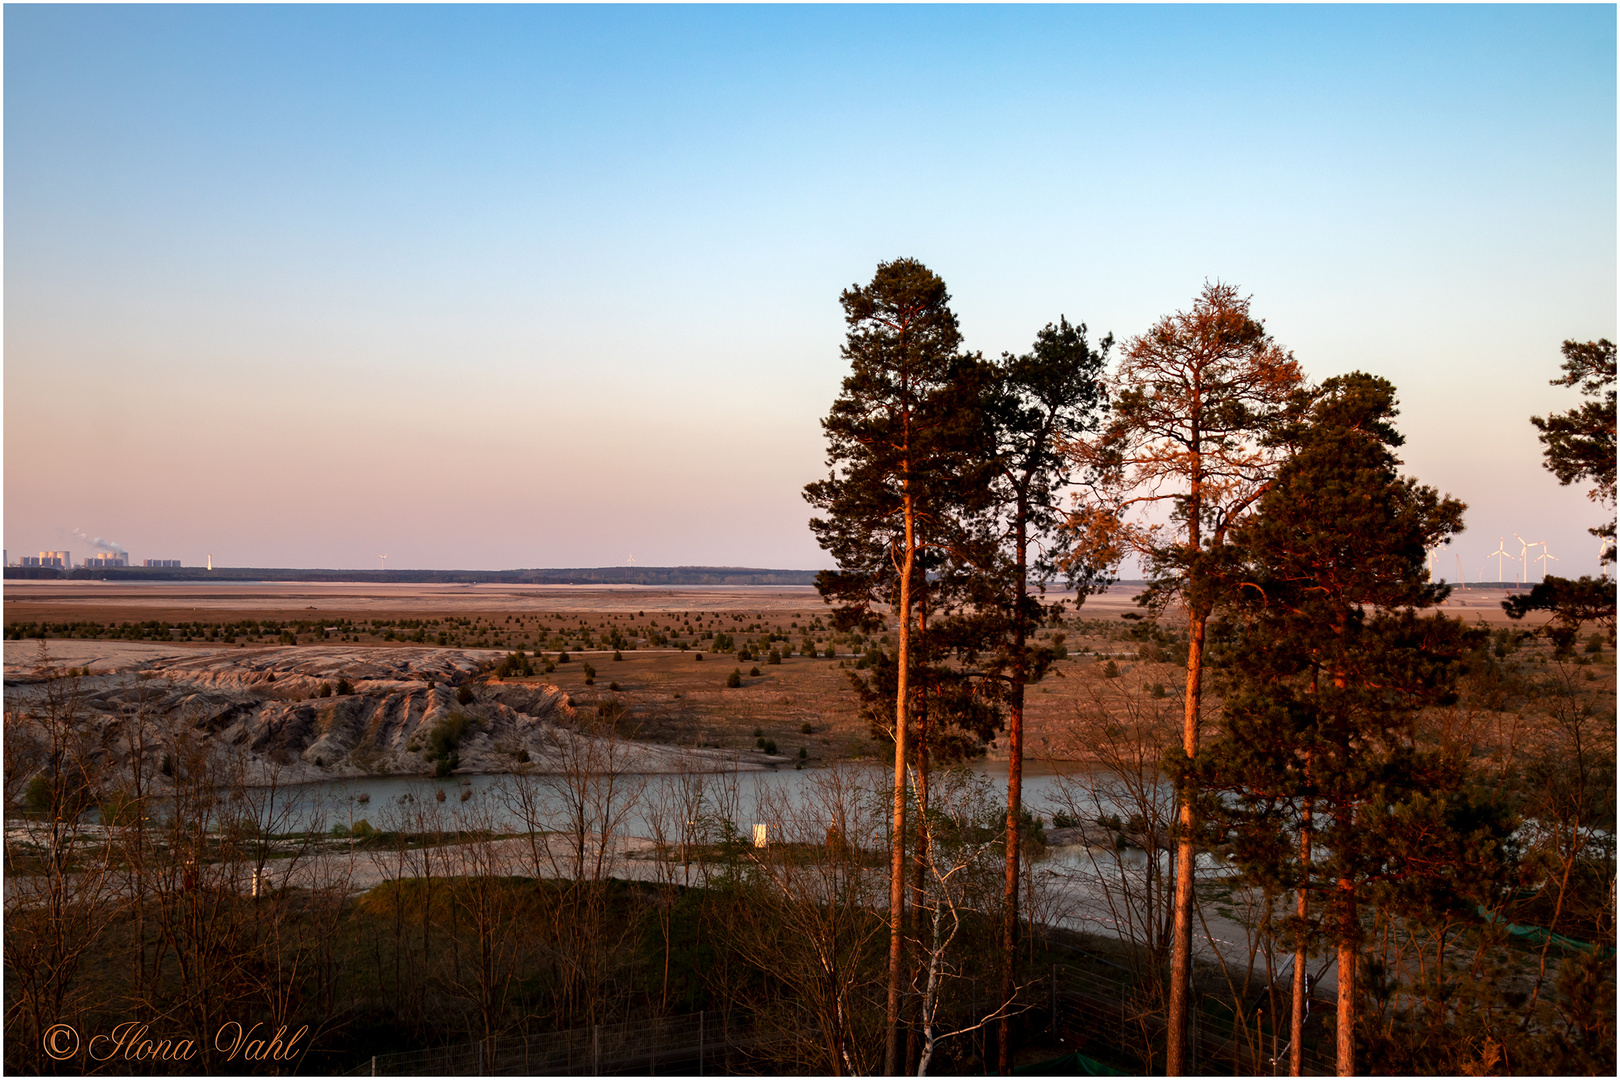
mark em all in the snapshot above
pixel 63 560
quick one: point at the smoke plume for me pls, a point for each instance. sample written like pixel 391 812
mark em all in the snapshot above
pixel 109 546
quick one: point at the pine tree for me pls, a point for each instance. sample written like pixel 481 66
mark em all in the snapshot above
pixel 897 442
pixel 1326 670
pixel 1192 401
pixel 1036 404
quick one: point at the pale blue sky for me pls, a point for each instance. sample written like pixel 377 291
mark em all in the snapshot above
pixel 499 287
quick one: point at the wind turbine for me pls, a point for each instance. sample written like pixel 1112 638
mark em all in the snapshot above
pixel 384 559
pixel 1524 560
pixel 1545 555
pixel 1498 555
pixel 1461 581
pixel 1431 563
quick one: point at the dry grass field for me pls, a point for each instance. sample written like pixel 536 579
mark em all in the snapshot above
pixel 668 695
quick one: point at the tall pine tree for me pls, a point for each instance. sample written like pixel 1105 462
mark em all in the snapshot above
pixel 1330 664
pixel 898 442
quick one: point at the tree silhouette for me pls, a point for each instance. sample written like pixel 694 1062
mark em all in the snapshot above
pixel 1579 444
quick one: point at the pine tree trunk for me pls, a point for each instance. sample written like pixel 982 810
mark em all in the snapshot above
pixel 1346 1022
pixel 1015 807
pixel 897 852
pixel 1186 858
pixel 1296 1027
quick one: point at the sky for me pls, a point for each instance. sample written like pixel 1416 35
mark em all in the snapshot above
pixel 497 287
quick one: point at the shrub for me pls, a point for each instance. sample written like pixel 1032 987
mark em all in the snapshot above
pixel 562 658
pixel 803 753
pixel 699 656
pixel 617 655
pixel 614 687
pixel 1110 670
pixel 734 680
pixel 514 665
pixel 325 691
pixel 1594 644
pixel 770 746
pixel 753 671
pixel 590 672
pixel 805 727
pixel 39 792
pixel 774 657
pixel 1157 690
pixel 832 652
pixel 759 732
pixel 522 756
pixel 344 687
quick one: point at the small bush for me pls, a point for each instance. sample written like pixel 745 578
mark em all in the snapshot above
pixel 699 656
pixel 464 694
pixel 805 728
pixel 325 691
pixel 770 746
pixel 344 687
pixel 1594 644
pixel 753 671
pixel 522 757
pixel 1157 690
pixel 832 653
pixel 39 793
pixel 617 655
pixel 774 657
pixel 590 672
pixel 803 753
pixel 759 733
pixel 1110 670
pixel 614 687
pixel 562 658
pixel 734 680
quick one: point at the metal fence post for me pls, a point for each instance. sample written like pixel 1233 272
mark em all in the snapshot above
pixel 700 1042
pixel 1054 1000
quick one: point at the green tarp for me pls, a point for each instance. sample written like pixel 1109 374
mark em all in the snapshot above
pixel 1075 1064
pixel 1540 935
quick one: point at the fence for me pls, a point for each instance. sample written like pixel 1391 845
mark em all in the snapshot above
pixel 1113 1018
pixel 695 1044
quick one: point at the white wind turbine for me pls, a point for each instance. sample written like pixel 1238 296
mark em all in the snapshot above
pixel 1524 559
pixel 1499 554
pixel 1545 555
pixel 384 559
